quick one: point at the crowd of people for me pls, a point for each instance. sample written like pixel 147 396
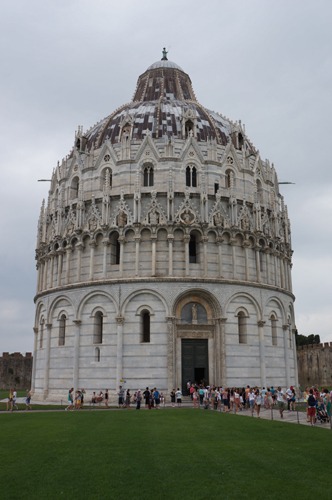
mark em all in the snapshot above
pixel 225 399
pixel 12 400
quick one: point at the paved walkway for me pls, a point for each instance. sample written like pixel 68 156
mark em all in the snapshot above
pixel 293 417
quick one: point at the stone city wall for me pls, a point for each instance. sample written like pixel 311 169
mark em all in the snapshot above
pixel 15 370
pixel 315 365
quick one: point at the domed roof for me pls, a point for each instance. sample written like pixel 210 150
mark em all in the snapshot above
pixel 163 103
pixel 164 63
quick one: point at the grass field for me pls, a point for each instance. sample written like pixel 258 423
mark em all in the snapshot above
pixel 173 454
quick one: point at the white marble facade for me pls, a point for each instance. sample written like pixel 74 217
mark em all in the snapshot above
pixel 162 225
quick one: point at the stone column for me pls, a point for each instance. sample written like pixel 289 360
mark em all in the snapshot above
pixel 34 360
pixel 137 247
pixel 233 242
pixel 296 373
pixel 45 271
pixel 153 254
pixel 121 242
pixel 258 265
pixel 68 256
pixel 170 239
pixel 47 360
pixel 268 266
pixel 92 246
pixel 106 243
pixel 282 272
pixel 275 269
pixel 76 360
pixel 246 245
pixel 219 243
pixel 290 277
pixel 40 276
pixel 222 366
pixel 52 270
pixel 262 352
pixel 60 257
pixel 286 330
pixel 119 350
pixel 79 247
pixel 186 240
pixel 171 352
pixel 205 254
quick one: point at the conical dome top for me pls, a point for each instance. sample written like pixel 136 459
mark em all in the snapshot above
pixel 164 79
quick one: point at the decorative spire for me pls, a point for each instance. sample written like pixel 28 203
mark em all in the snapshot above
pixel 164 58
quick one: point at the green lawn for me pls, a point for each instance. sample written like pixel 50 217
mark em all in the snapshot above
pixel 169 454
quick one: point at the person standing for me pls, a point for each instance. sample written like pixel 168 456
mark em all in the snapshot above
pixel 312 402
pixel 156 397
pixel 146 395
pixel 252 398
pixel 138 399
pixel 172 395
pixel 258 402
pixel 70 399
pixel 178 396
pixel 121 396
pixel 128 398
pixel 106 397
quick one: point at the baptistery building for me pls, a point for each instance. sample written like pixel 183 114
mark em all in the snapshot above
pixel 163 253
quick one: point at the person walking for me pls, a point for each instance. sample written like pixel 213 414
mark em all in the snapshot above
pixel 14 399
pixel 10 400
pixel 281 401
pixel 28 400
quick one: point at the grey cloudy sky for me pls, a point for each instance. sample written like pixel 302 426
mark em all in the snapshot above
pixel 66 63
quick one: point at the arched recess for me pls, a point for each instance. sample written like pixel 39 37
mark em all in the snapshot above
pixel 106 178
pixel 199 296
pixel 103 299
pixel 114 248
pixel 147 174
pixel 197 344
pixel 191 175
pixel 145 313
pixel 59 304
pixel 242 316
pixel 62 321
pixel 195 247
pixel 246 322
pixel 74 188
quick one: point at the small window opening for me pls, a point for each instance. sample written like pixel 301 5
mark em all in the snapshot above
pixel 145 323
pixel 62 330
pixel 242 327
pixel 192 249
pixel 98 328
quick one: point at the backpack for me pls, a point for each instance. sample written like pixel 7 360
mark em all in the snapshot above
pixel 311 400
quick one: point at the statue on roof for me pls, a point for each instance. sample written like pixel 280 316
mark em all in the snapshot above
pixel 164 58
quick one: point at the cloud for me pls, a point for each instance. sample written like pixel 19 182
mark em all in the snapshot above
pixel 66 64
